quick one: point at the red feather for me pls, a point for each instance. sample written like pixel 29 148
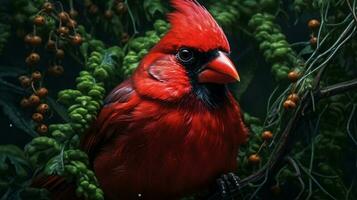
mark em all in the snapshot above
pixel 58 186
pixel 193 26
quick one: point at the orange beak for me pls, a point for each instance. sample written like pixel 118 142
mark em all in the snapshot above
pixel 220 70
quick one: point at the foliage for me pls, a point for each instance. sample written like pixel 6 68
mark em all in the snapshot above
pixel 104 43
pixel 273 44
pixel 16 175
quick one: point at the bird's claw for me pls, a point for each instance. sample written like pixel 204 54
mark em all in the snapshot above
pixel 227 184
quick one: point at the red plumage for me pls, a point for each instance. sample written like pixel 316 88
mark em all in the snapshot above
pixel 157 135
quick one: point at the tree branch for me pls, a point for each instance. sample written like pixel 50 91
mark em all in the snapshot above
pixel 338 88
pixel 288 135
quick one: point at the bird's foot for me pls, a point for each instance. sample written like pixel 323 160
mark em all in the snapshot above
pixel 227 185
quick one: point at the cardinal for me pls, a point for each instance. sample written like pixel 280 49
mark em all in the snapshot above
pixel 173 127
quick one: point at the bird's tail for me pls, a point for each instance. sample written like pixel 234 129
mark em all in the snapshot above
pixel 58 187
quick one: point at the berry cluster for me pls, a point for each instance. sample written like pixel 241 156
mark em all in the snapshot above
pixel 58 37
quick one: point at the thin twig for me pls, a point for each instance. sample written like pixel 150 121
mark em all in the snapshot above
pixel 349 124
pixel 338 88
pixel 317 183
pixel 297 174
pixel 352 10
pixel 288 135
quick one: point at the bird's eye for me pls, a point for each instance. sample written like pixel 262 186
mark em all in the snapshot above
pixel 185 55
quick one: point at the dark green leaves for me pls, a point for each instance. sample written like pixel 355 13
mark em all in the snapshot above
pixel 10 97
pixel 153 8
pixel 15 171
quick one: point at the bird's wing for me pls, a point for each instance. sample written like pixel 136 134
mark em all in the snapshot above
pixel 114 115
pixel 112 119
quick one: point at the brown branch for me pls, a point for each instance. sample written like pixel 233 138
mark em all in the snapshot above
pixel 288 135
pixel 338 88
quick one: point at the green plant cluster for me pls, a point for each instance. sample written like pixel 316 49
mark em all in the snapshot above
pixel 300 5
pixel 248 8
pixel 23 9
pixel 225 12
pixel 15 175
pixel 153 8
pixel 140 46
pixel 232 14
pixel 273 44
pixel 59 152
pixel 311 5
pixel 332 142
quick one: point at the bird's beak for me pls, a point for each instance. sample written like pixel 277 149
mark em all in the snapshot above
pixel 220 70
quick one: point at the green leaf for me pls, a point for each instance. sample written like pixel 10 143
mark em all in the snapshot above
pixel 15 171
pixel 153 7
pixel 306 50
pixel 10 93
pixel 58 108
pixel 11 71
pixel 55 165
pixel 15 114
pixel 11 88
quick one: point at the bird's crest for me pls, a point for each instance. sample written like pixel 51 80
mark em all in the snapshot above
pixel 193 26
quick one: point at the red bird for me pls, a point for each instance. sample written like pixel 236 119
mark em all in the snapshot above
pixel 173 127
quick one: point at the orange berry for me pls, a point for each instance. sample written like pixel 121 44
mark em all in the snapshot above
pixel 36 75
pixel 313 41
pixel 39 20
pixel 59 54
pixel 63 30
pixel 37 117
pixel 294 97
pixel 42 129
pixel 25 81
pixel 34 99
pixel 293 76
pixel 254 159
pixel 33 58
pixel 63 16
pixel 313 24
pixel 289 104
pixel 33 40
pixel 267 135
pixel 42 108
pixel 48 7
pixel 42 92
pixel 36 40
pixel 71 23
pixel 76 40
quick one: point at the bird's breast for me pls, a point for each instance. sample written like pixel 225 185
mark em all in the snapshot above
pixel 168 151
